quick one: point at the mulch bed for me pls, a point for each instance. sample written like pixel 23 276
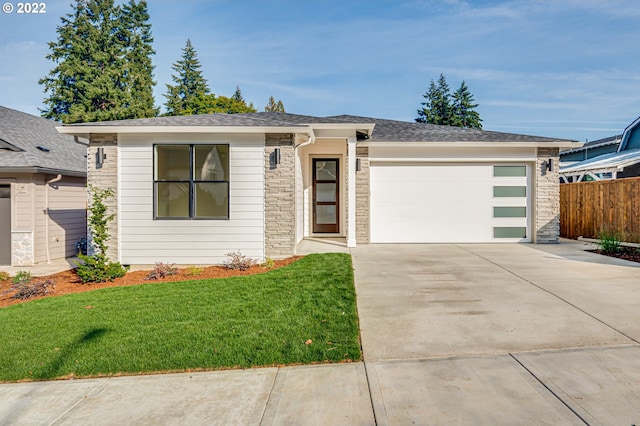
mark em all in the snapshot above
pixel 626 253
pixel 68 282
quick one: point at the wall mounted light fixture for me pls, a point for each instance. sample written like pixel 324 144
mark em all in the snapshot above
pixel 100 156
pixel 549 164
pixel 358 164
pixel 276 156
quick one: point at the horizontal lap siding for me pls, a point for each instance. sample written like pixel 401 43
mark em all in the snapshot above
pixel 146 241
pixel 67 216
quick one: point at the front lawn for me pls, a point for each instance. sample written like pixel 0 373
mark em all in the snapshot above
pixel 302 313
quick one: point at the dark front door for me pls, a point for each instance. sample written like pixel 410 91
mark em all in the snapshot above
pixel 326 191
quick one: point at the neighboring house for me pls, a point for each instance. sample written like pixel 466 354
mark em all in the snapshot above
pixel 590 149
pixel 43 196
pixel 191 189
pixel 623 163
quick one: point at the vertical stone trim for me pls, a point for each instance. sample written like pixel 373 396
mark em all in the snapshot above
pixel 362 196
pixel 280 202
pixel 22 248
pixel 547 197
pixel 105 176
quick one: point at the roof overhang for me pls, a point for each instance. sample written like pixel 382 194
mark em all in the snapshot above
pixel 42 170
pixel 467 144
pixel 86 131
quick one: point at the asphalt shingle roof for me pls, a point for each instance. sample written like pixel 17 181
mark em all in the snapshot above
pixel 384 131
pixel 23 133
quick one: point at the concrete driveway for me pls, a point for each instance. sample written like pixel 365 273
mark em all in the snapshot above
pixel 499 334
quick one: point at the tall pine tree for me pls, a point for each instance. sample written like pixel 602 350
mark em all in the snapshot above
pixel 91 80
pixel 437 106
pixel 139 69
pixel 464 113
pixel 273 106
pixel 190 93
pixel 441 107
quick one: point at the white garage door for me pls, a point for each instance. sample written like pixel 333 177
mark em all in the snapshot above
pixel 419 203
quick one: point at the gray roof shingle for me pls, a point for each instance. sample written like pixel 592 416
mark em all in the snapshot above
pixel 384 131
pixel 23 133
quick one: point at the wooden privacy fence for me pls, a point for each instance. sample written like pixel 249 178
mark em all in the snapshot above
pixel 590 208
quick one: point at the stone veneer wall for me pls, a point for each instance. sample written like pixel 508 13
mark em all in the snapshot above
pixel 104 177
pixel 362 196
pixel 280 207
pixel 547 190
pixel 22 249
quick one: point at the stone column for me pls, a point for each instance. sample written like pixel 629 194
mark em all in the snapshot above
pixel 280 203
pixel 103 175
pixel 362 196
pixel 351 192
pixel 547 197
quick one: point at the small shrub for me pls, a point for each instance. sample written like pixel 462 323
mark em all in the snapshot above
pixel 27 290
pixel 238 261
pixel 161 270
pixel 4 276
pixel 22 277
pixel 194 271
pixel 96 269
pixel 268 263
pixel 610 242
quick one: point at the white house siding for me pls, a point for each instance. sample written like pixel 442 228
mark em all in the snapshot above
pixel 67 216
pixel 144 240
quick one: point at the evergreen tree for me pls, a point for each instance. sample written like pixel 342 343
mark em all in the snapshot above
pixel 190 94
pixel 237 96
pixel 437 108
pixel 464 113
pixel 273 106
pixel 91 80
pixel 138 55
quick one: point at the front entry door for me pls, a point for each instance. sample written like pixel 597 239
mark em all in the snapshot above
pixel 326 195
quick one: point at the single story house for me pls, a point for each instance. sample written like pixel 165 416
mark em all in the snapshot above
pixel 622 163
pixel 43 196
pixel 191 189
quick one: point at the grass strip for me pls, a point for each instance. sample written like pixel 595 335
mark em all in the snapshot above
pixel 257 320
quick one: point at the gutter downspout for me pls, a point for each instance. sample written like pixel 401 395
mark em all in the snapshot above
pixel 311 141
pixel 46 207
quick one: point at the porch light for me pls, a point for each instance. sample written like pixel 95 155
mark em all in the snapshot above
pixel 549 164
pixel 276 156
pixel 358 165
pixel 100 156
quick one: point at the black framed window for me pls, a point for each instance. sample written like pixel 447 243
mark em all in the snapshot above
pixel 191 181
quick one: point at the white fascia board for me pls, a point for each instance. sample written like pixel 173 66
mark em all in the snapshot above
pixel 87 130
pixel 343 126
pixel 466 144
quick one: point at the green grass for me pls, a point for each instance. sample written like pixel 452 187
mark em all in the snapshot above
pixel 249 321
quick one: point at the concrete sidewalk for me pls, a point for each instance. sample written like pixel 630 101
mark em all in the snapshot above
pixel 462 334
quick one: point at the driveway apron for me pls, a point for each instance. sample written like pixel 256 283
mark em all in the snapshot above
pixel 480 333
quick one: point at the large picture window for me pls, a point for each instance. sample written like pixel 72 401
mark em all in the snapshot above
pixel 191 181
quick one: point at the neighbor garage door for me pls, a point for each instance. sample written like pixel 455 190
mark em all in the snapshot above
pixel 427 203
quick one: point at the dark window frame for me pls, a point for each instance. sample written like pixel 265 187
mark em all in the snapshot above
pixel 192 182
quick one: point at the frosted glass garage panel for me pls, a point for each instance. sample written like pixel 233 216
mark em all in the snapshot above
pixel 510 232
pixel 509 212
pixel 509 191
pixel 509 171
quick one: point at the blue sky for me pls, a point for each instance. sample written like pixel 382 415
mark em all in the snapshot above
pixel 560 68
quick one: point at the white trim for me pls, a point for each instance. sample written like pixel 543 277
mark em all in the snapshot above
pixel 467 144
pixel 86 130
